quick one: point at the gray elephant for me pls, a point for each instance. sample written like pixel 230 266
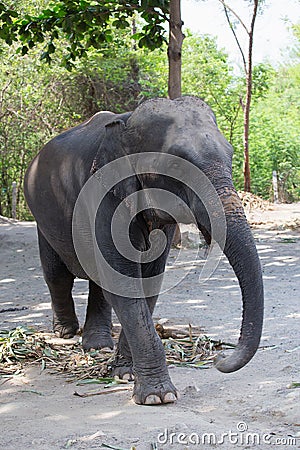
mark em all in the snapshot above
pixel 166 133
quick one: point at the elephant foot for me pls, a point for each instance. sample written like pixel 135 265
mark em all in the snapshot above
pixel 96 340
pixel 64 329
pixel 122 368
pixel 154 391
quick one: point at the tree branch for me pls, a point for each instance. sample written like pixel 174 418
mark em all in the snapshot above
pixel 235 37
pixel 235 15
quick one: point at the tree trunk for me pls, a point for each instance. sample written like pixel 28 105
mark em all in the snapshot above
pixel 248 73
pixel 174 56
pixel 247 174
pixel 174 50
pixel 14 200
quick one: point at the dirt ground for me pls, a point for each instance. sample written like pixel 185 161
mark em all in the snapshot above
pixel 256 407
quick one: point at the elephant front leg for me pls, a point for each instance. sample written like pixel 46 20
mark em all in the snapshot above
pixel 97 327
pixel 122 365
pixel 152 383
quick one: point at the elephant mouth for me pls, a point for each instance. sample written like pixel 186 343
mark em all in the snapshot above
pixel 157 215
pixel 164 206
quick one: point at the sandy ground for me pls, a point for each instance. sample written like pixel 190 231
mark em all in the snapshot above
pixel 252 408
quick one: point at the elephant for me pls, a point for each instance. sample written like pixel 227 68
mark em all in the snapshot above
pixel 174 137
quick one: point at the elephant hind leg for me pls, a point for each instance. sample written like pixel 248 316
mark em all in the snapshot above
pixel 97 327
pixel 60 283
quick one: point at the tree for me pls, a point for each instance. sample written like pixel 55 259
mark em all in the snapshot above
pixel 39 100
pixel 248 68
pixel 275 127
pixel 89 23
pixel 84 24
pixel 278 139
pixel 207 72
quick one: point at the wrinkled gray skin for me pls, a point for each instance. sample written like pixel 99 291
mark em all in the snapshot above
pixel 185 127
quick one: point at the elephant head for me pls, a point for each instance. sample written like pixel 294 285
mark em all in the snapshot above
pixel 186 129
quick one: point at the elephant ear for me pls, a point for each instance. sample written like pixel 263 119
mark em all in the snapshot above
pixel 112 160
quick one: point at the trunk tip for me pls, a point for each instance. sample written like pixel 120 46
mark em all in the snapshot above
pixel 233 362
pixel 221 363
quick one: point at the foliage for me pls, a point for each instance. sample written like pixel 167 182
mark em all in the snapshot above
pixel 263 75
pixel 274 137
pixel 206 73
pixel 276 144
pixel 22 344
pixel 37 101
pixel 14 344
pixel 296 31
pixel 34 104
pixel 84 24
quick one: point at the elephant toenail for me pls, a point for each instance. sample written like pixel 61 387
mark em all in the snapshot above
pixel 152 400
pixel 170 398
pixel 107 350
pixel 128 377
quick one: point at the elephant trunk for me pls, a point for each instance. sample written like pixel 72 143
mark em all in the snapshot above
pixel 242 255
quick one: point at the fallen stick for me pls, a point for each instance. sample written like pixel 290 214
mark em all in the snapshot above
pixel 106 391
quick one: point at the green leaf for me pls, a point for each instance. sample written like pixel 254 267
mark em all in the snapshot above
pixel 121 24
pixel 113 447
pixel 51 48
pixel 13 13
pixel 44 56
pixel 24 50
pixel 109 37
pixel 103 380
pixel 32 391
